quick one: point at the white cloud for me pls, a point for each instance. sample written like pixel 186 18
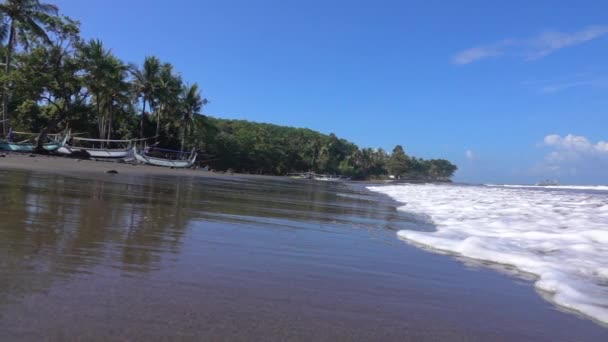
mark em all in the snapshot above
pixel 576 143
pixel 557 87
pixel 469 154
pixel 602 146
pixel 552 139
pixel 480 52
pixel 573 155
pixel 532 48
pixel 550 41
pixel 593 77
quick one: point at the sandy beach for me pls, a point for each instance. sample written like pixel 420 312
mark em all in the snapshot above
pixel 160 254
pixel 71 166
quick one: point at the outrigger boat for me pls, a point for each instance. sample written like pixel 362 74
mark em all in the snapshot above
pixel 94 152
pixel 29 145
pixel 151 156
pixel 315 176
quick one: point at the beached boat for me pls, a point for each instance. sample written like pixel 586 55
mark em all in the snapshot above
pixel 330 178
pixel 314 176
pixel 301 175
pixel 179 159
pixel 29 145
pixel 97 152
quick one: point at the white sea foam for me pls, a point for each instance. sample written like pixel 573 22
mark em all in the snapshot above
pixel 562 237
pixel 565 187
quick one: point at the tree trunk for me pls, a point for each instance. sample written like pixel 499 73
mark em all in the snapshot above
pixel 9 54
pixel 183 137
pixel 101 122
pixel 110 120
pixel 51 125
pixel 160 109
pixel 141 125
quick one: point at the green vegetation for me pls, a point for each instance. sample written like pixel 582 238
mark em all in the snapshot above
pixel 53 79
pixel 245 146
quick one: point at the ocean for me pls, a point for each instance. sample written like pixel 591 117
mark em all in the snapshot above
pixel 558 234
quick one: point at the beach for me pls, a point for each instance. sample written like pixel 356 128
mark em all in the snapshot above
pixel 153 254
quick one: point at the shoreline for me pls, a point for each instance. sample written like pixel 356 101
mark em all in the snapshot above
pixel 65 166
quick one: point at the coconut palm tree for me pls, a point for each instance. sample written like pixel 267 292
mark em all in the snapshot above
pixel 145 81
pixel 166 93
pixel 25 17
pixel 97 62
pixel 191 105
pixel 115 93
pixel 104 77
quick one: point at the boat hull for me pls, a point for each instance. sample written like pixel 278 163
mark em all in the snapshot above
pixel 144 159
pixel 28 147
pixel 95 152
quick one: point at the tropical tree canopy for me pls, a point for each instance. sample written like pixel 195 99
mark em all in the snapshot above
pixel 25 19
pixel 145 82
pixel 398 163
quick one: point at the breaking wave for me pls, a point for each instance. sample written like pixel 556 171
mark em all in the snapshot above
pixel 559 236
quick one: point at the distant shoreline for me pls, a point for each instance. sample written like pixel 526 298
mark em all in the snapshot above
pixel 70 166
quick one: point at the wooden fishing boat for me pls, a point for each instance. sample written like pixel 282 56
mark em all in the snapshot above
pixel 57 141
pixel 315 176
pixel 97 152
pixel 179 159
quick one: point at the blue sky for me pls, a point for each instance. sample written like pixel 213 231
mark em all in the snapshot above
pixel 488 85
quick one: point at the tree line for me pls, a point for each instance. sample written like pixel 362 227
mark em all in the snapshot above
pixel 53 79
pixel 261 148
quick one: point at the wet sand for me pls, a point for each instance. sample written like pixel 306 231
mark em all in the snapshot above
pixel 155 254
pixel 91 168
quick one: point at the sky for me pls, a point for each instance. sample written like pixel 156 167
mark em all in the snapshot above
pixel 510 91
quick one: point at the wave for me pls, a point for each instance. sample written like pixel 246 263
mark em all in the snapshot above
pixel 566 187
pixel 561 237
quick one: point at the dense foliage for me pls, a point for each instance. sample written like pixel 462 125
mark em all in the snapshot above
pixel 53 80
pixel 245 146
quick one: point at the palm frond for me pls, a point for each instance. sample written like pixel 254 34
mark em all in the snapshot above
pixel 45 8
pixel 21 37
pixel 32 25
pixel 4 30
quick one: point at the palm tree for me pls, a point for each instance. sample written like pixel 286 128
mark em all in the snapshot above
pixel 98 63
pixel 105 78
pixel 315 146
pixel 191 104
pixel 145 83
pixel 25 17
pixel 166 93
pixel 115 93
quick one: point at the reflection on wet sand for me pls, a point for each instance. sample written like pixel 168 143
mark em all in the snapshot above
pixel 53 226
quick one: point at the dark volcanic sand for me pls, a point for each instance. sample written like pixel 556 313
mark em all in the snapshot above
pixel 134 257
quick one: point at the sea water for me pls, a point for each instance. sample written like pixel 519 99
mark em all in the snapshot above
pixel 559 234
